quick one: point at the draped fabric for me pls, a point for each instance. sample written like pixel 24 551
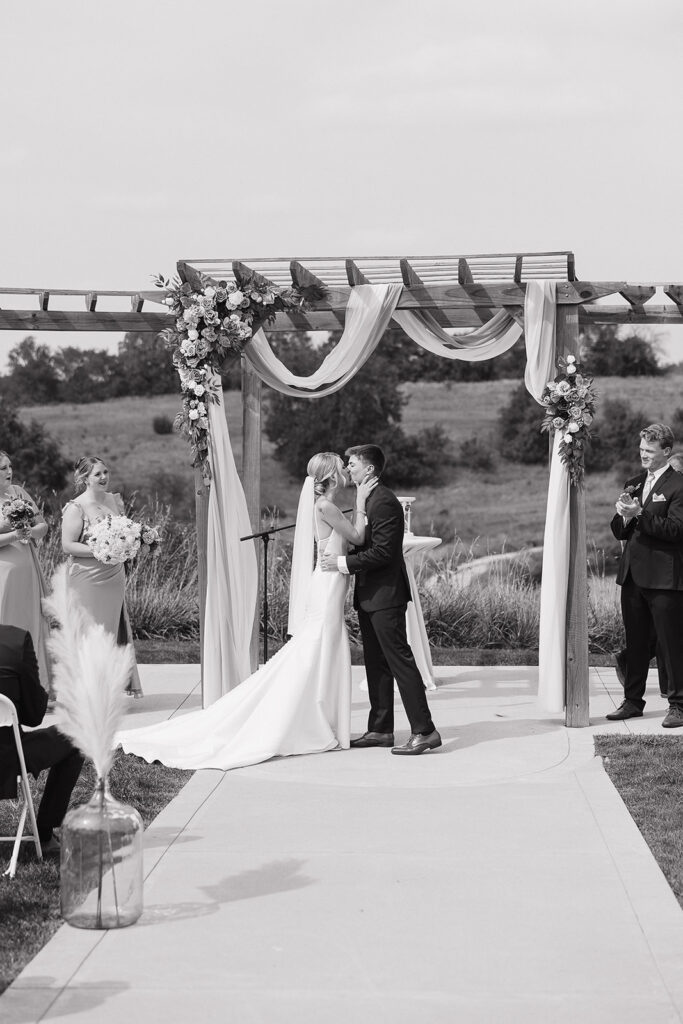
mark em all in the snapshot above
pixel 491 339
pixel 539 318
pixel 539 333
pixel 303 552
pixel 368 312
pixel 232 569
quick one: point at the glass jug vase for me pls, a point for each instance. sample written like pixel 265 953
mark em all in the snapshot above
pixel 101 863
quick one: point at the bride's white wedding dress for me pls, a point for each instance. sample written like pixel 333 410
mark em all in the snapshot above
pixel 299 702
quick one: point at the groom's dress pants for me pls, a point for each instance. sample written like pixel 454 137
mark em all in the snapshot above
pixel 387 657
pixel 641 609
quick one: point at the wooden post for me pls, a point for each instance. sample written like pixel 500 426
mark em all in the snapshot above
pixel 251 473
pixel 201 503
pixel 577 710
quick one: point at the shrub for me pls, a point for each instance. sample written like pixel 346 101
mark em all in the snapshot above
pixel 476 453
pixel 519 434
pixel 616 437
pixel 36 458
pixel 166 489
pixel 676 424
pixel 162 425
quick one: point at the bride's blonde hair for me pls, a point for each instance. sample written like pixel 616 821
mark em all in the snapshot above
pixel 327 470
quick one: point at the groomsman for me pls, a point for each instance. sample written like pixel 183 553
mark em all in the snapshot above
pixel 649 520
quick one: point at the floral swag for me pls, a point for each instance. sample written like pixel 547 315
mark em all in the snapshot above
pixel 569 402
pixel 212 320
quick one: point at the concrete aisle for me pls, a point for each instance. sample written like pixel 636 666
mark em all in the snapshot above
pixel 499 879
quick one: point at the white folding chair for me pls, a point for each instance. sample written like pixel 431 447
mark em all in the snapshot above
pixel 8 717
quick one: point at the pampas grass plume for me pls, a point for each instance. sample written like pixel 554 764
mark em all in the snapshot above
pixel 90 676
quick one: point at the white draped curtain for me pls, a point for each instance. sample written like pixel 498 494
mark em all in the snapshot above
pixel 232 572
pixel 232 568
pixel 368 313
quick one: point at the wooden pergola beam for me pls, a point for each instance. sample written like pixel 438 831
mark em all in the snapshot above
pixel 412 280
pixel 636 295
pixel 451 304
pixel 354 274
pixel 675 293
pixel 628 315
pixel 304 278
pixel 96 320
pixel 464 272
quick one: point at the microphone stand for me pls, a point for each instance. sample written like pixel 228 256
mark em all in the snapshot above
pixel 265 536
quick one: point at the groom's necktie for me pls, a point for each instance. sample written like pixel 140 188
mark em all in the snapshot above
pixel 647 486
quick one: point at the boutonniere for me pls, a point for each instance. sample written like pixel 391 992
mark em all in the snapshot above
pixel 632 488
pixel 659 497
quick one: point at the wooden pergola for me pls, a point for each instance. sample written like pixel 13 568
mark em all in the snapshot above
pixel 457 291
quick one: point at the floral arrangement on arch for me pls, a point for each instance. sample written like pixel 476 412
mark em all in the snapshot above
pixel 212 320
pixel 569 402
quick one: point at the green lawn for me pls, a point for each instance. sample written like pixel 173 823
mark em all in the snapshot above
pixel 486 510
pixel 647 771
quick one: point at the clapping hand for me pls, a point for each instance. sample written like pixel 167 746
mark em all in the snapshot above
pixel 628 506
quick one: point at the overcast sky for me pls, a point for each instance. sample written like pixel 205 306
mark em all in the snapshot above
pixel 138 133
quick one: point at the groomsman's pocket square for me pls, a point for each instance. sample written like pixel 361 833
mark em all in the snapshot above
pixel 659 497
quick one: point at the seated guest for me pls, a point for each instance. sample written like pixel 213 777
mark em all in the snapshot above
pixel 43 748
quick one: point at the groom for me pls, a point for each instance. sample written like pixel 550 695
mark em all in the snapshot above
pixel 380 597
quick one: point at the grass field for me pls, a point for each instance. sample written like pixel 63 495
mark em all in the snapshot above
pixel 647 772
pixel 487 511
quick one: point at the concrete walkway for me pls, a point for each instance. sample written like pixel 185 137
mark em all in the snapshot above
pixel 499 879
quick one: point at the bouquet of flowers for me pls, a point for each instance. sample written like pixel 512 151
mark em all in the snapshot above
pixel 21 516
pixel 118 539
pixel 569 402
pixel 114 540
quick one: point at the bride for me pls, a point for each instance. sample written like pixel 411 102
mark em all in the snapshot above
pixel 299 702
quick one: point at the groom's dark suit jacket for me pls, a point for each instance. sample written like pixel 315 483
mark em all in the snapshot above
pixel 653 552
pixel 378 565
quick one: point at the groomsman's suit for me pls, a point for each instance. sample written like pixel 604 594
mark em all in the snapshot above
pixel 381 594
pixel 43 748
pixel 651 578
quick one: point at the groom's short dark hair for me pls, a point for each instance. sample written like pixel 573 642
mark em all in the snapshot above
pixel 371 454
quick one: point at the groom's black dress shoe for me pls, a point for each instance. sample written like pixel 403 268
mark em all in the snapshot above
pixel 417 744
pixel 627 709
pixel 374 739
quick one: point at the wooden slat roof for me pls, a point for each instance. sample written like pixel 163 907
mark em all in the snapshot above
pixel 333 271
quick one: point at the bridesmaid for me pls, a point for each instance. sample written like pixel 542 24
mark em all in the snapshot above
pixel 100 587
pixel 21 581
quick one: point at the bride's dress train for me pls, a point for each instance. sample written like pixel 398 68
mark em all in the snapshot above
pixel 299 702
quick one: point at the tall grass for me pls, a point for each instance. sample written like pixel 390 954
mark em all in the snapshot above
pixel 499 609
